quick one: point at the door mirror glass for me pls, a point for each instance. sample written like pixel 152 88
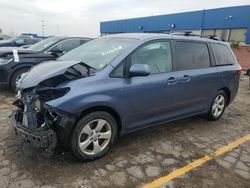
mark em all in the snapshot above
pixel 139 70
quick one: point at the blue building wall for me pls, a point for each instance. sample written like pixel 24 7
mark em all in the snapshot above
pixel 221 18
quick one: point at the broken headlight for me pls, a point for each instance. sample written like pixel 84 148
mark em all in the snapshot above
pixel 51 93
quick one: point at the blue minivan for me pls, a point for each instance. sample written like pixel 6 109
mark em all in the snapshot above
pixel 121 83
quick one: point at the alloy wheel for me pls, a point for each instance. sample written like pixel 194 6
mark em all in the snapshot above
pixel 95 137
pixel 218 106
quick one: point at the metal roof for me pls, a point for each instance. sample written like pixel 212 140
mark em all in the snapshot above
pixel 222 18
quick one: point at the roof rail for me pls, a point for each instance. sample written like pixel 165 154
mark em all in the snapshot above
pixel 184 33
pixel 189 33
pixel 213 37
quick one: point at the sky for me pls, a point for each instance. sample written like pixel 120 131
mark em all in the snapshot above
pixel 82 17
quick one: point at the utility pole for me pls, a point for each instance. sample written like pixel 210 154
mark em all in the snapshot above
pixel 42 28
pixel 202 21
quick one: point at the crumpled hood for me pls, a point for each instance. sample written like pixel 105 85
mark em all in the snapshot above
pixel 43 72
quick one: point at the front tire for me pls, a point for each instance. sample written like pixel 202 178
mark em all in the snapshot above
pixel 93 136
pixel 218 106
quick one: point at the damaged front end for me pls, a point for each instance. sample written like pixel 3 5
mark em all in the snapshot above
pixel 37 122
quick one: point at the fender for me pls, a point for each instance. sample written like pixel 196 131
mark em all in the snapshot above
pixel 80 104
pixel 107 107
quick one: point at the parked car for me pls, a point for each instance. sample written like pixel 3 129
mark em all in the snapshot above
pixel 14 63
pixel 19 41
pixel 122 83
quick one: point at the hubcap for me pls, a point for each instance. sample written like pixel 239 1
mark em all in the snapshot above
pixel 95 136
pixel 218 105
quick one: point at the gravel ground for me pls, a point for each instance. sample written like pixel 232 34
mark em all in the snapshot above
pixel 137 158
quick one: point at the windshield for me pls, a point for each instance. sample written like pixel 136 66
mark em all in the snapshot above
pixel 42 45
pixel 99 52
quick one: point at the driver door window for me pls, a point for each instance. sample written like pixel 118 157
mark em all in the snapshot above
pixel 156 55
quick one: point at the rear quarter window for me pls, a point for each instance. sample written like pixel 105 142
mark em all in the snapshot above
pixel 222 54
pixel 191 55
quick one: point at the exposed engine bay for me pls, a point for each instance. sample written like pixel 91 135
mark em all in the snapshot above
pixel 38 122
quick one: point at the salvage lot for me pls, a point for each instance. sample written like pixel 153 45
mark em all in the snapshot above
pixel 138 158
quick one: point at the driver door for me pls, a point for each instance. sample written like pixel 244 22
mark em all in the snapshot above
pixel 151 99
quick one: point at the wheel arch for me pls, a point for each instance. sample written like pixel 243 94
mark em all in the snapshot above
pixel 107 109
pixel 228 94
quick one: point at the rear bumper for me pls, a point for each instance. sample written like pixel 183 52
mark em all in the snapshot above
pixel 42 139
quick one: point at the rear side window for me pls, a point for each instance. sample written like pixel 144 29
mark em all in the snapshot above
pixel 191 55
pixel 222 54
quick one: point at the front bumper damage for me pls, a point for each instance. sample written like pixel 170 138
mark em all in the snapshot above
pixel 43 125
pixel 46 139
pixel 46 128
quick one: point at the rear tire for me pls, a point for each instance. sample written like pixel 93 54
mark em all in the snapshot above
pixel 14 77
pixel 93 136
pixel 217 106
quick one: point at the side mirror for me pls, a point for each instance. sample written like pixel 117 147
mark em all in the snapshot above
pixel 56 51
pixel 139 70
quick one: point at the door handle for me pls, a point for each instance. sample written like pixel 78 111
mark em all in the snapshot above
pixel 172 81
pixel 185 78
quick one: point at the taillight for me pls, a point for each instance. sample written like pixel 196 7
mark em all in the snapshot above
pixel 238 72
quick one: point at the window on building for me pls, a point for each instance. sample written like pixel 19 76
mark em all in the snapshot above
pixel 208 32
pixel 223 34
pixel 222 54
pixel 238 35
pixel 191 55
pixel 156 55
